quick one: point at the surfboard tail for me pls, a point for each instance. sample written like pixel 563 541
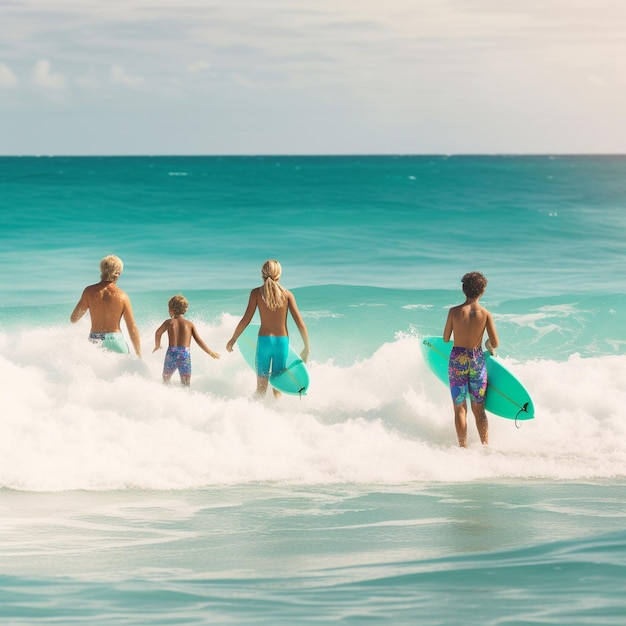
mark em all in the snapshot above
pixel 506 395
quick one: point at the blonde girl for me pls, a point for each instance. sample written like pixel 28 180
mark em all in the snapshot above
pixel 273 302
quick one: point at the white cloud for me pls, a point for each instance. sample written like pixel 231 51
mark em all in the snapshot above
pixel 198 67
pixel 120 77
pixel 89 81
pixel 401 75
pixel 44 77
pixel 7 77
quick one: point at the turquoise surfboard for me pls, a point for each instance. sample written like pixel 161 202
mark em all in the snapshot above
pixel 506 396
pixel 293 380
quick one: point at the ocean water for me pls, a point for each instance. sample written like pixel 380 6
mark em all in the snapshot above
pixel 127 502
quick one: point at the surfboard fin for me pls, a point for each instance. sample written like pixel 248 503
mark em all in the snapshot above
pixel 524 409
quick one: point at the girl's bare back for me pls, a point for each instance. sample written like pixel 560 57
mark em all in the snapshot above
pixel 273 322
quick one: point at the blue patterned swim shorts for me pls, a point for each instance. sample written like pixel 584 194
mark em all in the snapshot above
pixel 177 358
pixel 467 370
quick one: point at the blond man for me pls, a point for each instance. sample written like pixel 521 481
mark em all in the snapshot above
pixel 107 305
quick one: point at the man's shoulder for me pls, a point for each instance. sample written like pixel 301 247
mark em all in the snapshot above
pixel 102 285
pixel 120 292
pixel 118 295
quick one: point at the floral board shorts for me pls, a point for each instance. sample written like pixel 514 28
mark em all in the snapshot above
pixel 467 371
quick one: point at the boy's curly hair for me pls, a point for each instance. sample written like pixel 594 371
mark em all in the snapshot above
pixel 474 284
pixel 178 305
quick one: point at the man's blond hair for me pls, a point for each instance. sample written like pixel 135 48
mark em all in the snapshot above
pixel 111 267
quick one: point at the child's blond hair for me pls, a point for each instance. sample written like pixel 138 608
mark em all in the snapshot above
pixel 178 305
pixel 272 293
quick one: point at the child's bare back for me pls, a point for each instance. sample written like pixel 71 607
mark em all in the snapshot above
pixel 468 321
pixel 179 331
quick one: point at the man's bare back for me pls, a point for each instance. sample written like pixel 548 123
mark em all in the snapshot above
pixel 107 305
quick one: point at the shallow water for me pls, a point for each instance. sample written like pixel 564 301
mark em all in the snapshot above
pixel 481 552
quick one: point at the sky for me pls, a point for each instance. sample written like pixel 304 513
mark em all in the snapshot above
pixel 248 77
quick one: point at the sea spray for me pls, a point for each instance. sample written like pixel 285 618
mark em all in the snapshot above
pixel 82 418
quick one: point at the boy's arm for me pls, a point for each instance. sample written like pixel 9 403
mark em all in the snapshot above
pixel 198 340
pixel 492 342
pixel 447 331
pixel 158 334
pixel 304 333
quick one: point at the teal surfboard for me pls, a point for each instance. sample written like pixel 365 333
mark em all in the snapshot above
pixel 293 380
pixel 506 396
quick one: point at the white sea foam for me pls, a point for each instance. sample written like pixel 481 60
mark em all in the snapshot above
pixel 75 417
pixel 319 315
pixel 552 316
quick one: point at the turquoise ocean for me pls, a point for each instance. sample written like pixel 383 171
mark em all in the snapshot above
pixel 123 501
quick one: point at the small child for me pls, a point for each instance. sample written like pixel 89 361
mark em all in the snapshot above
pixel 179 331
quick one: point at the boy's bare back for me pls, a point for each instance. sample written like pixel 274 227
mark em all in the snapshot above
pixel 179 331
pixel 468 323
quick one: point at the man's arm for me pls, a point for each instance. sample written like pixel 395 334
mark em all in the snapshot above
pixel 81 308
pixel 133 331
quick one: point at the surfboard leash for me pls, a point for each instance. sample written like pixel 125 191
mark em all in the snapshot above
pixel 524 409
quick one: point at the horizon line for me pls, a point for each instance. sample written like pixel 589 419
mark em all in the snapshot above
pixel 316 155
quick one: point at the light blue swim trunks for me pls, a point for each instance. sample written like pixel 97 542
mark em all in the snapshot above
pixel 271 355
pixel 114 342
